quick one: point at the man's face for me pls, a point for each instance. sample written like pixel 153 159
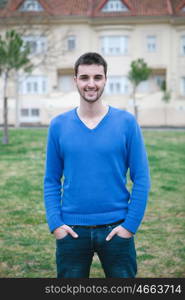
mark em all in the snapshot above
pixel 90 82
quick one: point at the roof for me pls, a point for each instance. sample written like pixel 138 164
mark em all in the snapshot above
pixel 93 8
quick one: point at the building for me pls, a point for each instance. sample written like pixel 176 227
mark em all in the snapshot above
pixel 59 31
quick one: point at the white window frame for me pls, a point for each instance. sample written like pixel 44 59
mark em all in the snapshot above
pixel 151 43
pixel 114 44
pixel 117 85
pixel 39 42
pixel 28 114
pixel 114 6
pixel 34 85
pixel 31 5
pixel 182 45
pixel 71 42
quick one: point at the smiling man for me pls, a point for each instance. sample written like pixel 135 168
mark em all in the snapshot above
pixel 90 81
pixel 91 211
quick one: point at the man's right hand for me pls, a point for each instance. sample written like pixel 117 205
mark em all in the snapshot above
pixel 64 230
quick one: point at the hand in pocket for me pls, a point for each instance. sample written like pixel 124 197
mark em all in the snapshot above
pixel 64 230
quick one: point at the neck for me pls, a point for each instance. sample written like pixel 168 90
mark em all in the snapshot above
pixel 86 109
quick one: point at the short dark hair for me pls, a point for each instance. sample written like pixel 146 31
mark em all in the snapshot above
pixel 90 58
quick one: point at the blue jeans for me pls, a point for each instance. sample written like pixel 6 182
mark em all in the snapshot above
pixel 74 255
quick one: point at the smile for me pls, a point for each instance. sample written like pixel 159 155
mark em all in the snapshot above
pixel 91 90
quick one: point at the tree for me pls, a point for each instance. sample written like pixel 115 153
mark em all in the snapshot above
pixel 43 57
pixel 13 57
pixel 166 98
pixel 139 72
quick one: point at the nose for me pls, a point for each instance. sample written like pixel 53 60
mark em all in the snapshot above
pixel 91 83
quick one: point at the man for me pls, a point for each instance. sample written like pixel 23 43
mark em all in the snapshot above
pixel 91 210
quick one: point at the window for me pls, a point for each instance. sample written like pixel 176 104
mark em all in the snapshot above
pixel 183 86
pixel 66 83
pixel 151 43
pixel 117 85
pixel 183 45
pixel 30 114
pixel 114 45
pixel 35 112
pixel 34 85
pixel 114 5
pixel 31 5
pixel 37 44
pixel 24 112
pixel 71 43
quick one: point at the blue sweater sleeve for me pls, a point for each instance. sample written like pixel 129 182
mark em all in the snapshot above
pixel 52 180
pixel 139 174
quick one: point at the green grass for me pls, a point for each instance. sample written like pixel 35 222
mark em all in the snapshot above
pixel 27 247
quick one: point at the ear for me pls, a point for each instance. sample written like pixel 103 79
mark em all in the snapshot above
pixel 74 78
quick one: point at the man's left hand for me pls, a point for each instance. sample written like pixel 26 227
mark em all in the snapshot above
pixel 120 231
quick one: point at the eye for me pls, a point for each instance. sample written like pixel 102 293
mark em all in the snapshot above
pixel 98 77
pixel 84 77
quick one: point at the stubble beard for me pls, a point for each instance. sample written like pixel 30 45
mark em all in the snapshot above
pixel 91 100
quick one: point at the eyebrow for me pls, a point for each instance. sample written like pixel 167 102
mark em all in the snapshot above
pixel 86 75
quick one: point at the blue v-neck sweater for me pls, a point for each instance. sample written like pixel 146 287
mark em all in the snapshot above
pixel 85 174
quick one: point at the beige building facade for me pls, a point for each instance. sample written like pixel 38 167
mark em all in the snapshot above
pixel 119 31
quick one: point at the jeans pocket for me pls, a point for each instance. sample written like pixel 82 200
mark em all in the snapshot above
pixel 124 238
pixel 62 238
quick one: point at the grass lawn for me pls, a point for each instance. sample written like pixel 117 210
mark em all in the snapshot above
pixel 27 247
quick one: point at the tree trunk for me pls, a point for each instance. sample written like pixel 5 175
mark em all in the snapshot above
pixel 17 104
pixel 5 118
pixel 5 138
pixel 165 115
pixel 135 104
pixel 136 111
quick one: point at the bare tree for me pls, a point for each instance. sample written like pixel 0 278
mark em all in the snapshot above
pixel 13 57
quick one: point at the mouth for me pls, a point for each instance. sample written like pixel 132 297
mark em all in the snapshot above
pixel 91 91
